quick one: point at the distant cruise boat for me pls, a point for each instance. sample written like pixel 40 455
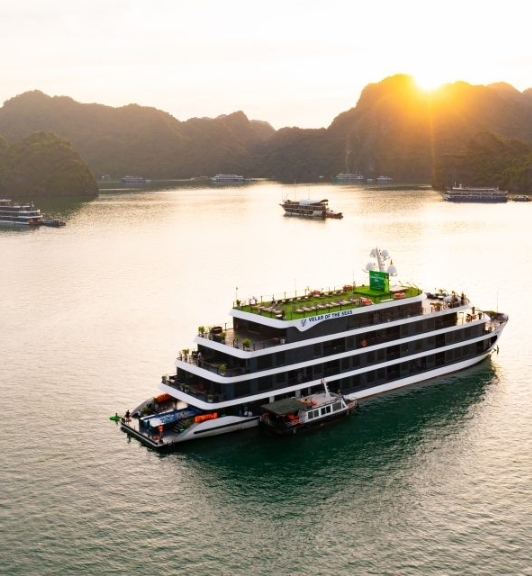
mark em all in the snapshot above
pixel 479 194
pixel 384 179
pixel 132 180
pixel 308 208
pixel 14 214
pixel 227 179
pixel 348 177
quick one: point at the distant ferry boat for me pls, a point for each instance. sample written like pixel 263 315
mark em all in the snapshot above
pixel 475 194
pixel 348 177
pixel 227 179
pixel 365 340
pixel 138 180
pixel 384 179
pixel 307 208
pixel 14 214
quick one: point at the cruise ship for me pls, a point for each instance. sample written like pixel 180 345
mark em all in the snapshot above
pixel 133 180
pixel 348 177
pixel 361 340
pixel 227 179
pixel 475 194
pixel 307 208
pixel 15 214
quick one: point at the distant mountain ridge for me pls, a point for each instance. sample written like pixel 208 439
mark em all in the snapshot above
pixel 395 129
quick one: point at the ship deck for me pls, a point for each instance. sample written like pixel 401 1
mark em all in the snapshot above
pixel 318 301
pixel 315 305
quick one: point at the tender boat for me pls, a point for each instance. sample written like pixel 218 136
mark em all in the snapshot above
pixel 333 214
pixel 365 340
pixel 475 194
pixel 15 214
pixel 291 415
pixel 53 222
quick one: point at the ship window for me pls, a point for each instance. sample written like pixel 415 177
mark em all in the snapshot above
pixel 337 406
pixel 264 362
pixel 265 383
pixel 242 389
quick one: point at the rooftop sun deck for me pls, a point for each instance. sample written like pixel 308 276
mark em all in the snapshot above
pixel 320 301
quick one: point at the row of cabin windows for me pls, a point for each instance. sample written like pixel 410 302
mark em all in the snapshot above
pixel 352 383
pixel 372 318
pixel 341 345
pixel 379 375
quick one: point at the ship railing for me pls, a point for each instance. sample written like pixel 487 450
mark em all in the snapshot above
pixel 241 340
pixel 197 391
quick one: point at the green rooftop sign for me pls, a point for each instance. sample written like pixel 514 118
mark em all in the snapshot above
pixel 379 281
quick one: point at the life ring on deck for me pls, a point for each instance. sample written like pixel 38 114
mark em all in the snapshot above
pixel 156 438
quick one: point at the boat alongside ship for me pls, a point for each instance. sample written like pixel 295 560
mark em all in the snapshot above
pixel 52 222
pixel 307 208
pixel 363 340
pixel 292 415
pixel 475 194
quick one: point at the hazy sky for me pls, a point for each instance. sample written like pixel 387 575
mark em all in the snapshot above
pixel 288 62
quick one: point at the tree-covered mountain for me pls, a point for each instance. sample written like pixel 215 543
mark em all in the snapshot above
pixel 43 164
pixel 460 132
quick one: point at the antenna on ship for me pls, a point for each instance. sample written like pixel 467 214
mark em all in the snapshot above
pixel 382 256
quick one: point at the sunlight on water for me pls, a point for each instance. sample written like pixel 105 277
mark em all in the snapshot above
pixel 432 480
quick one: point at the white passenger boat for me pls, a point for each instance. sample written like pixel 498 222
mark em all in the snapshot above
pixel 475 194
pixel 133 180
pixel 227 179
pixel 347 177
pixel 307 208
pixel 15 214
pixel 364 340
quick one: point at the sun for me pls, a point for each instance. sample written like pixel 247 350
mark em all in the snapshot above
pixel 428 81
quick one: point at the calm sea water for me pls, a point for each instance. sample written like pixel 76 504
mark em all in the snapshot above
pixel 436 480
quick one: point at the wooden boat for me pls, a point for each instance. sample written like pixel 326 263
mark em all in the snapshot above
pixel 291 415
